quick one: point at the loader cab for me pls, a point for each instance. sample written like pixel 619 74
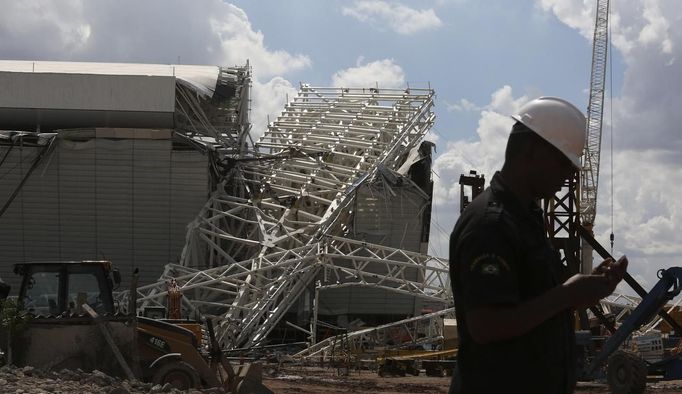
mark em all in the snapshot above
pixel 56 288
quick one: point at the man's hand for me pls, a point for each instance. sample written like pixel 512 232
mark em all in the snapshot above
pixel 612 270
pixel 586 290
pixel 495 323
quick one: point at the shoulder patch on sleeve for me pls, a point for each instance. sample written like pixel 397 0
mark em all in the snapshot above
pixel 489 264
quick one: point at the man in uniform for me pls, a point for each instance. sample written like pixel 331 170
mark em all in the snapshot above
pixel 513 297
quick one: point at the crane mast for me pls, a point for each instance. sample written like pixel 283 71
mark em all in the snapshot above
pixel 577 202
pixel 589 174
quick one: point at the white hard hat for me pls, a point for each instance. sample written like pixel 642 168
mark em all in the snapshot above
pixel 558 122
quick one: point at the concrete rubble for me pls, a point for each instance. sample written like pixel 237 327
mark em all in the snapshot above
pixel 31 380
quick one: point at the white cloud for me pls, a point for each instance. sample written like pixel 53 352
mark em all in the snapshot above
pixel 656 29
pixel 239 41
pixel 647 220
pixel 268 101
pixel 577 14
pixel 485 155
pixel 399 18
pixel 43 27
pixel 463 105
pixel 647 141
pixel 634 23
pixel 647 185
pixel 502 101
pixel 206 32
pixel 385 73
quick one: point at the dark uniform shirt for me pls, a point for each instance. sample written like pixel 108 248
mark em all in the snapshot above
pixel 501 256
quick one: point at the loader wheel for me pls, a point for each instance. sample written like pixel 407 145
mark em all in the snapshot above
pixel 178 373
pixel 626 373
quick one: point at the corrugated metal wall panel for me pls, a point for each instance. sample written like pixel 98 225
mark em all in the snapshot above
pixel 128 201
pixel 77 200
pixel 151 207
pixel 189 171
pixel 390 218
pixel 24 234
pixel 11 233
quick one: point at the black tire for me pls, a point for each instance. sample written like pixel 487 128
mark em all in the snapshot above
pixel 626 373
pixel 178 373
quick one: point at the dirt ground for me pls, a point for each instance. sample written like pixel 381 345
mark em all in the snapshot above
pixel 313 380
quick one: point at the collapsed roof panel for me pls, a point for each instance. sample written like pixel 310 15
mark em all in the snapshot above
pixel 208 103
pixel 203 78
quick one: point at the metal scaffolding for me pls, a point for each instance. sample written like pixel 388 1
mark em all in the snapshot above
pixel 280 222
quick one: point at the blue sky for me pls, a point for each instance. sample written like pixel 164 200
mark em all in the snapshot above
pixel 483 58
pixel 480 46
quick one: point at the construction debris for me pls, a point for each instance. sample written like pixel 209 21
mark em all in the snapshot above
pixel 31 380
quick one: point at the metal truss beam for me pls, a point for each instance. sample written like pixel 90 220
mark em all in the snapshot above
pixel 424 329
pixel 336 261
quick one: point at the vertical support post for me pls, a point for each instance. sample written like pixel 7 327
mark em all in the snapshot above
pixel 313 321
pixel 132 298
pixel 561 221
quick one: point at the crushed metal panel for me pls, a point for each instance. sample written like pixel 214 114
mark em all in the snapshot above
pixel 198 101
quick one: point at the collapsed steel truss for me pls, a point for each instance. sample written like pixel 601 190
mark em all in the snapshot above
pixel 219 118
pixel 425 329
pixel 278 223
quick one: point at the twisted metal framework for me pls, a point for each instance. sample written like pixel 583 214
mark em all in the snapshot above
pixel 277 224
pixel 218 121
pixel 420 330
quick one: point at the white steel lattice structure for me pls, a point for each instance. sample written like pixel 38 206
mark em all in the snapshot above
pixel 620 305
pixel 279 223
pixel 590 172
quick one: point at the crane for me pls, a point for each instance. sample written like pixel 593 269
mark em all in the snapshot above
pixel 578 204
pixel 589 173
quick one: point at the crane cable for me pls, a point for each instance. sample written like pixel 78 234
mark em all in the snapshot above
pixel 610 60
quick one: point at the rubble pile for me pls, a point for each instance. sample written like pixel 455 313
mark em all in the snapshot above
pixel 30 380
